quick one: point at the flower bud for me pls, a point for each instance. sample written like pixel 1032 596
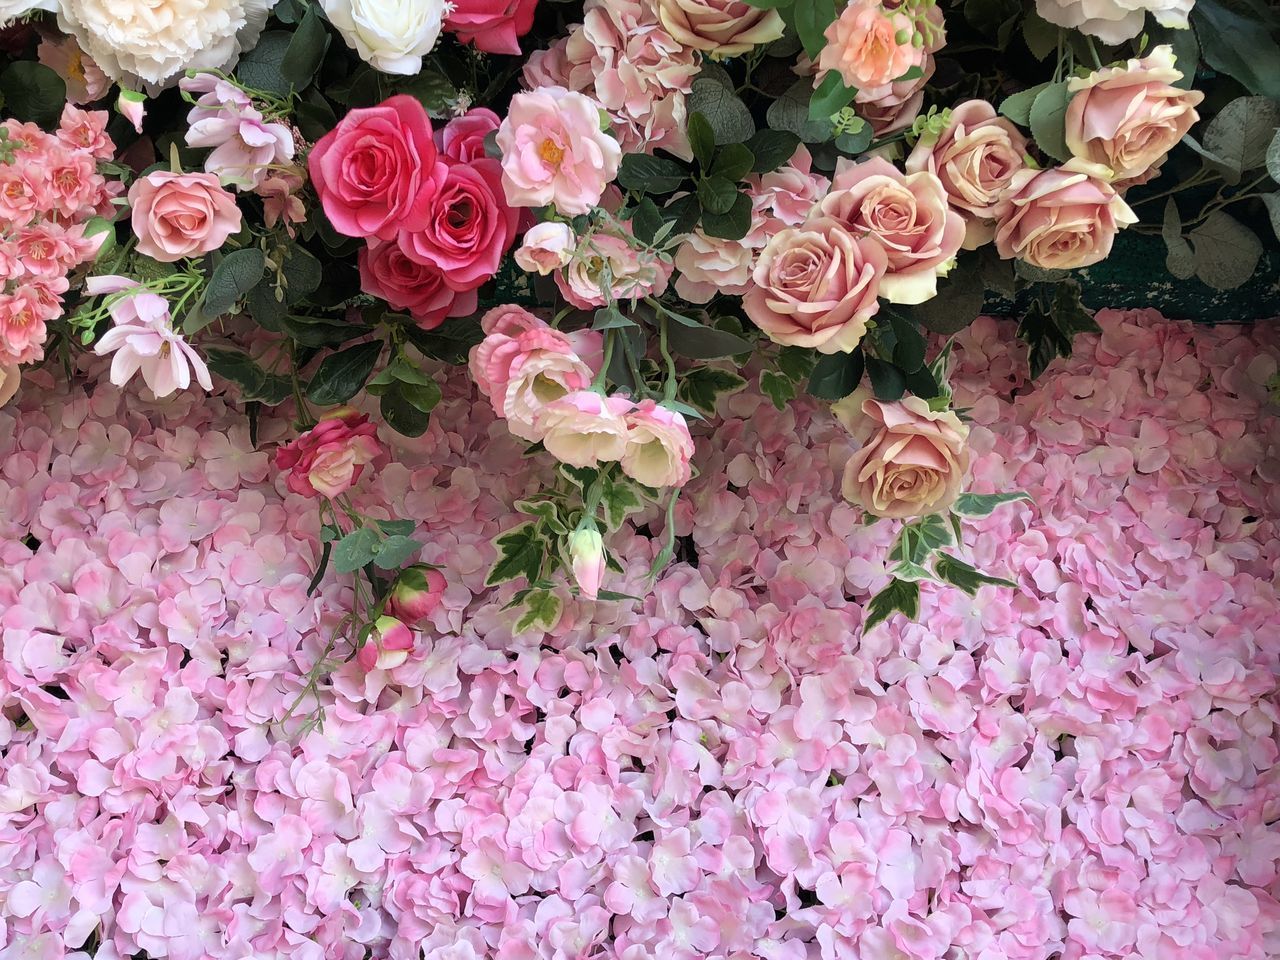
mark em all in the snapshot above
pixel 387 645
pixel 416 593
pixel 586 556
pixel 132 106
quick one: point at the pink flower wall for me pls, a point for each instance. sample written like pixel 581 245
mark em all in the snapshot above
pixel 1084 767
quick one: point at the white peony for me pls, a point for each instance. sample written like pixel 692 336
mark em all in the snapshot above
pixel 390 35
pixel 152 43
pixel 12 9
pixel 1114 21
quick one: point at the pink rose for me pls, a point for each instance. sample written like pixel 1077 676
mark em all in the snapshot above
pixel 722 28
pixel 907 215
pixel 585 429
pixel 1127 118
pixel 789 194
pixel 494 26
pixel 912 459
pixel 387 646
pixel 975 157
pixel 178 215
pixel 416 594
pixel 816 286
pixel 659 446
pixel 547 247
pixel 328 459
pixel 1061 218
pixel 388 272
pixel 710 266
pixel 10 380
pixel 554 151
pixel 870 45
pixel 462 138
pixel 376 171
pixel 634 273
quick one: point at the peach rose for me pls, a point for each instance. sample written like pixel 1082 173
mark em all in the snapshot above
pixel 719 28
pixel 816 286
pixel 1127 118
pixel 975 156
pixel 870 46
pixel 912 459
pixel 1061 218
pixel 178 215
pixel 907 215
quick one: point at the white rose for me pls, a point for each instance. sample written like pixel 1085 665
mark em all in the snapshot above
pixel 1114 21
pixel 152 43
pixel 390 35
pixel 12 9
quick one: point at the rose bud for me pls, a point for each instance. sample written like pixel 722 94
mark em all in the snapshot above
pixel 416 594
pixel 387 646
pixel 586 557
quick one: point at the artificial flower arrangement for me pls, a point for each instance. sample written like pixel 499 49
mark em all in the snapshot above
pixel 614 212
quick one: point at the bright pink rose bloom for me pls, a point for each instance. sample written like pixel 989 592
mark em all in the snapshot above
pixel 554 151
pixel 463 137
pixel 494 26
pixel 86 130
pixel 585 429
pixel 546 248
pixel 328 459
pixel 635 273
pixel 387 646
pixel 416 594
pixel 469 228
pixel 388 272
pixel 376 171
pixel 178 215
pixel 85 81
pixel 870 45
pixel 659 446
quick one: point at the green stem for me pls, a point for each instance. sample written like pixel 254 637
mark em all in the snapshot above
pixel 669 388
pixel 1200 177
pixel 610 338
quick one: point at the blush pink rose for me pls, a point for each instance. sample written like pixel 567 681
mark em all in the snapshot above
pixel 554 151
pixel 912 460
pixel 494 26
pixel 328 459
pixel 462 138
pixel 585 429
pixel 376 171
pixel 1061 218
pixel 634 273
pixel 907 215
pixel 1127 118
pixel 870 45
pixel 546 248
pixel 975 156
pixel 816 286
pixel 709 266
pixel 386 271
pixel 721 28
pixel 659 446
pixel 178 215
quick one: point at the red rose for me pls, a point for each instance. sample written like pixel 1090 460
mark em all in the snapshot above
pixel 376 171
pixel 494 26
pixel 386 272
pixel 470 226
pixel 463 137
pixel 328 459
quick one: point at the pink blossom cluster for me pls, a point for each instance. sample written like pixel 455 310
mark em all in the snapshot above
pixel 50 188
pixel 1081 767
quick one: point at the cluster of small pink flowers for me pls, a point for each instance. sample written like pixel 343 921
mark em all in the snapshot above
pixel 50 188
pixel 1083 767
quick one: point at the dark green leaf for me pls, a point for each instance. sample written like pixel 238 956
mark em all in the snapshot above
pixel 856 139
pixel 610 318
pixel 341 375
pixel 654 175
pixel 702 138
pixel 1040 35
pixel 423 396
pixel 396 551
pixel 326 550
pixel 728 116
pixel 306 50
pixel 830 98
pixel 771 149
pixel 403 416
pixel 733 225
pixel 790 113
pixel 1049 332
pixel 981 504
pixel 705 343
pixel 959 302
pixel 923 384
pixel 900 596
pixel 962 575
pixel 796 363
pixel 234 276
pixel 520 553
pixel 357 549
pixel 1237 37
pixel 260 66
pixel 704 386
pixel 717 195
pixel 33 92
pixel 433 90
pixel 1048 120
pixel 266 311
pixel 646 220
pixel 255 383
pixel 812 19
pixel 836 375
pixel 887 380
pixel 733 162
pixel 919 538
pixel 302 274
pixel 908 352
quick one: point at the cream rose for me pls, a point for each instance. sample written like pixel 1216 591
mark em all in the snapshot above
pixel 390 35
pixel 1127 117
pixel 1114 21
pixel 912 459
pixel 719 28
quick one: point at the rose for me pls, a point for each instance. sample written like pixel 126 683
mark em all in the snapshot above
pixel 554 152
pixel 816 286
pixel 416 594
pixel 634 273
pixel 387 645
pixel 912 459
pixel 709 266
pixel 178 215
pixel 1061 218
pixel 469 226
pixel 547 247
pixel 1127 118
pixel 975 156
pixel 463 137
pixel 658 446
pixel 390 35
pixel 10 380
pixel 870 46
pixel 722 28
pixel 328 459
pixel 388 272
pixel 586 560
pixel 376 171
pixel 1114 21
pixel 585 429
pixel 907 215
pixel 494 26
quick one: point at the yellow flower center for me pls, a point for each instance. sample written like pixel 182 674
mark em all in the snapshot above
pixel 75 66
pixel 550 152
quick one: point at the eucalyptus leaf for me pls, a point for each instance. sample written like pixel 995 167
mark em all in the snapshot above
pixel 234 276
pixel 1238 38
pixel 790 112
pixel 1179 261
pixel 705 343
pixel 1241 133
pixel 728 116
pixel 356 550
pixel 654 175
pixel 1226 251
pixel 773 148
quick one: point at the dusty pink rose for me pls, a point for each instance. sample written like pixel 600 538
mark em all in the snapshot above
pixel 870 45
pixel 416 594
pixel 85 82
pixel 178 215
pixel 1061 218
pixel 546 248
pixel 659 446
pixel 975 157
pixel 554 151
pixel 816 286
pixel 10 380
pixel 912 460
pixel 721 28
pixel 585 429
pixel 907 215
pixel 387 646
pixel 634 273
pixel 328 459
pixel 710 265
pixel 387 271
pixel 494 26
pixel 462 138
pixel 789 194
pixel 1127 118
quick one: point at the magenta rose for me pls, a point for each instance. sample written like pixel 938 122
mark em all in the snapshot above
pixel 494 26
pixel 376 171
pixel 386 271
pixel 462 138
pixel 178 215
pixel 328 459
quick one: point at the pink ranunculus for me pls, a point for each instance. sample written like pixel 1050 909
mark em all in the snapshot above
pixel 816 286
pixel 634 273
pixel 49 249
pixel 719 28
pixel 555 152
pixel 74 188
pixel 1061 218
pixel 462 138
pixel 870 44
pixel 328 459
pixel 178 215
pixel 659 446
pixel 416 594
pixel 975 156
pixel 387 646
pixel 86 130
pixel 10 380
pixel 376 171
pixel 547 247
pixel 24 314
pixel 585 428
pixel 85 81
pixel 907 215
pixel 494 26
pixel 142 338
pixel 1128 117
pixel 388 272
pixel 586 560
pixel 469 228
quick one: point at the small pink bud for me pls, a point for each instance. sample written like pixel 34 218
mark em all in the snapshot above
pixel 132 106
pixel 388 645
pixel 586 556
pixel 416 594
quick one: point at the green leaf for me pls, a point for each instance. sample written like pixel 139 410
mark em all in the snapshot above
pixel 619 498
pixel 1273 157
pixel 908 352
pixel 1272 202
pixel 341 375
pixel 962 575
pixel 704 386
pixel 1180 261
pixel 33 92
pixel 705 343
pixel 1237 38
pixel 733 225
pixel 520 553
pixel 982 504
pixel 356 550
pixel 1040 35
pixel 654 175
pixel 919 538
pixel 610 318
pixel 831 97
pixel 1050 331
pixel 923 383
pixel 422 396
pixel 900 596
pixel 790 113
pixel 836 375
pixel 542 610
pixel 234 276
pixel 728 116
pixel 260 66
pixel 733 162
pixel 1018 106
pixel 796 363
pixel 306 50
pixel 433 90
pixel 771 149
pixel 1241 133
pixel 856 139
pixel 326 550
pixel 302 274
pixel 1048 120
pixel 1226 251
pixel 959 302
pixel 646 221
pixel 254 382
pixel 702 138
pixel 717 195
pixel 779 389
pixel 266 311
pixel 401 414
pixel 887 380
pixel 396 551
pixel 397 528
pixel 812 19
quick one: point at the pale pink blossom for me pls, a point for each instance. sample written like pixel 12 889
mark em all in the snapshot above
pixel 142 339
